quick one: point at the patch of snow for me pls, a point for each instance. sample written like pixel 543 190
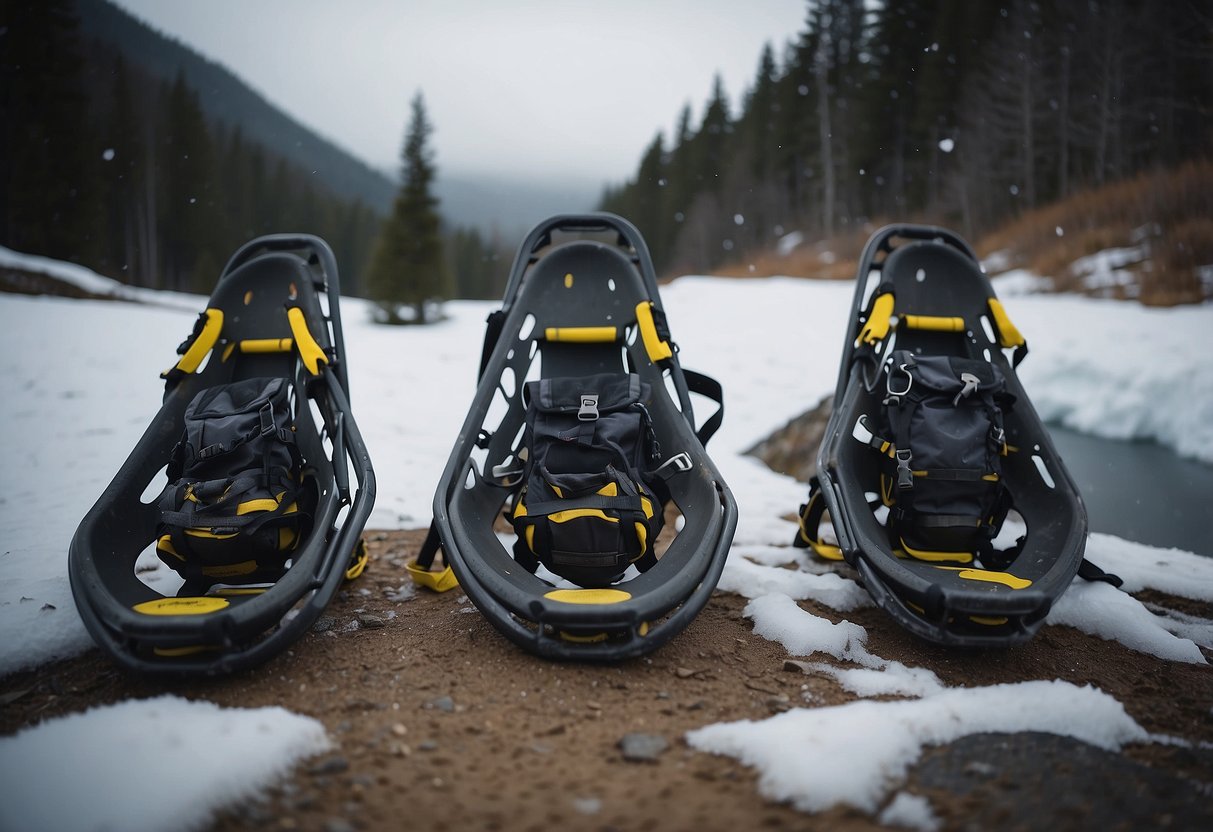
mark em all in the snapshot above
pixel 1102 610
pixel 909 811
pixel 778 618
pixel 857 753
pixel 148 765
pixel 788 243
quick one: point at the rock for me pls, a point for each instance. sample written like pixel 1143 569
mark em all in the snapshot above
pixel 333 765
pixel 443 703
pixel 587 805
pixel 643 748
pixel 323 624
pixel 370 622
pixel 427 745
pixel 338 825
pixel 684 672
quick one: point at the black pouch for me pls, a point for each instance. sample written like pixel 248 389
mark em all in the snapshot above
pixel 585 510
pixel 232 512
pixel 944 417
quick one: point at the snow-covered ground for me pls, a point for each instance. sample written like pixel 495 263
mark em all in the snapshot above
pixel 79 381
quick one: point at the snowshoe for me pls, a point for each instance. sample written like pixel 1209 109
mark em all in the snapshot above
pixel 252 448
pixel 582 438
pixel 942 485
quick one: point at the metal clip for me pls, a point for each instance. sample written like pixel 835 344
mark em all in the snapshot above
pixel 970 382
pixel 589 407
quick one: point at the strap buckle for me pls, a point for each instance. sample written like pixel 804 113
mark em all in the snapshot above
pixel 905 477
pixel 266 415
pixel 677 464
pixel 589 408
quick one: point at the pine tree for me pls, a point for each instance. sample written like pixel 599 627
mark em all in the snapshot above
pixel 408 268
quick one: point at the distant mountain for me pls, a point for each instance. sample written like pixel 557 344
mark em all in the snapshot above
pixel 226 98
pixel 505 206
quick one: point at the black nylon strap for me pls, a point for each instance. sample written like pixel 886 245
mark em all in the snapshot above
pixel 944 521
pixel 1090 572
pixel 954 474
pixel 492 332
pixel 710 388
pixel 429 548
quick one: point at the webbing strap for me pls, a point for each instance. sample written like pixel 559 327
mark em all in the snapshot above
pixel 419 570
pixel 810 517
pixel 1090 572
pixel 194 349
pixel 710 388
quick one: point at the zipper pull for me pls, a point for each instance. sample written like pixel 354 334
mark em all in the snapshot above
pixel 970 384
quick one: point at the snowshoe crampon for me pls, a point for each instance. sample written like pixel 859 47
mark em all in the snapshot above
pixel 964 541
pixel 259 550
pixel 582 437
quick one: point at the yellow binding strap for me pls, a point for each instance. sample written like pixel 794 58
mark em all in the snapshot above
pixel 822 549
pixel 201 345
pixel 933 557
pixel 657 349
pixel 309 351
pixel 877 326
pixel 360 557
pixel 437 581
pixel 933 323
pixel 263 345
pixel 1008 333
pixel 582 334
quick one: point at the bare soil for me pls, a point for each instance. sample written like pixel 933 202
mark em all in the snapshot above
pixel 440 723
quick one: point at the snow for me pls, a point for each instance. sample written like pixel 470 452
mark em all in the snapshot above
pixel 910 811
pixel 79 382
pixel 175 757
pixel 854 754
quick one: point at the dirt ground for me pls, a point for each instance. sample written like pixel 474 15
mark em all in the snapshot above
pixel 441 724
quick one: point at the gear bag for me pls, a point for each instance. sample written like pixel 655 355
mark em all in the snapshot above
pixel 232 510
pixel 587 509
pixel 943 444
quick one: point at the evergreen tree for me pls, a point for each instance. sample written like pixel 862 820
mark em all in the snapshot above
pixel 408 267
pixel 49 155
pixel 190 218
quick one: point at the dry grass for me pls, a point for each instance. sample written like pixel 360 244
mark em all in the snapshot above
pixel 1170 213
pixel 834 259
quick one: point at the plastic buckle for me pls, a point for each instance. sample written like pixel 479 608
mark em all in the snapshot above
pixel 676 464
pixel 905 477
pixel 266 415
pixel 589 408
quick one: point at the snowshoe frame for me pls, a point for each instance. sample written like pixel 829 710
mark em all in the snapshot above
pixel 582 307
pixel 943 303
pixel 246 331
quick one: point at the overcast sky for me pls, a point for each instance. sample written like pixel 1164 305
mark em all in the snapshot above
pixel 572 90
